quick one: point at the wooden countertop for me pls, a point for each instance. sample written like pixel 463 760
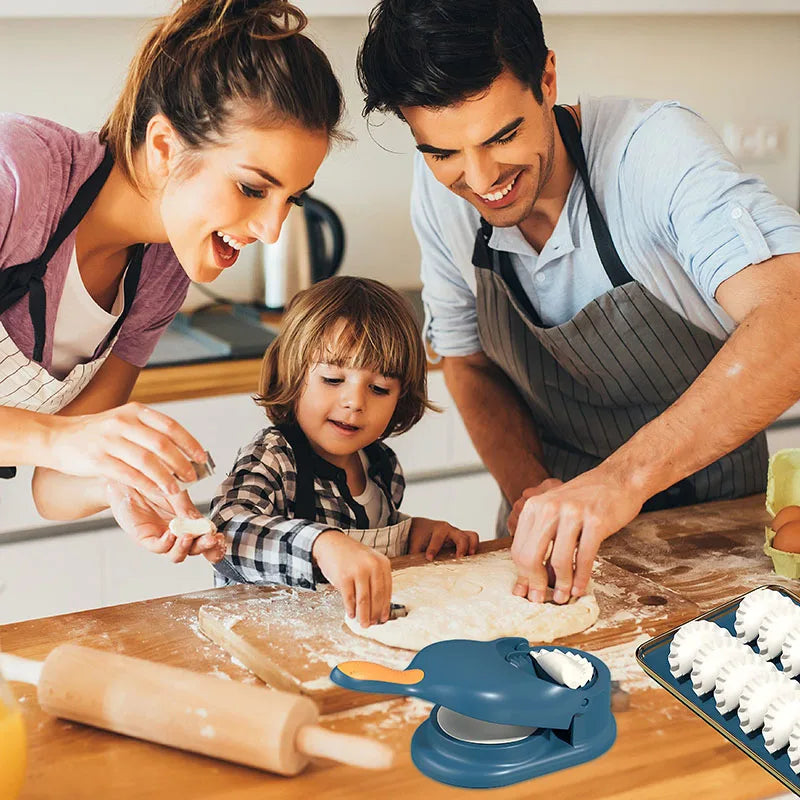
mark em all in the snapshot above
pixel 706 554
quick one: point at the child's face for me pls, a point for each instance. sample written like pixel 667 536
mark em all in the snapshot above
pixel 342 410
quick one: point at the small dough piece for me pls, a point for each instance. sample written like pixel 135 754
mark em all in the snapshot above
pixel 471 599
pixel 183 526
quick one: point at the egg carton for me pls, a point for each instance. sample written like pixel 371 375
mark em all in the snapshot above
pixel 783 489
pixel 738 668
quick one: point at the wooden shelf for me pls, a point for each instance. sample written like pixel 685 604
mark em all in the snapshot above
pixel 159 384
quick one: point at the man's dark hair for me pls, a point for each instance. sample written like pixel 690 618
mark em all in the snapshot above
pixel 435 53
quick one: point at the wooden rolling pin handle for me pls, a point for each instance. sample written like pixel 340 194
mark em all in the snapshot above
pixel 313 740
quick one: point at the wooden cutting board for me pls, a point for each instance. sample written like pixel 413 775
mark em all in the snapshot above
pixel 291 639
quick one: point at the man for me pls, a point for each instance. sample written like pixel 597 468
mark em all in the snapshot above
pixel 615 302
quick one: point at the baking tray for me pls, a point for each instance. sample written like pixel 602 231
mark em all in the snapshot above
pixel 653 659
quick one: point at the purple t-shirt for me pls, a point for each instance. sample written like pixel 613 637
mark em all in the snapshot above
pixel 42 166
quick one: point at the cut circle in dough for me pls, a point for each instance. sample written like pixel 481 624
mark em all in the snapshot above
pixel 471 599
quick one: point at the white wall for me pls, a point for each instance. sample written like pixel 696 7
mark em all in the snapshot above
pixel 731 69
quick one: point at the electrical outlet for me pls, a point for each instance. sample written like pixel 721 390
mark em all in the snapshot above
pixel 759 142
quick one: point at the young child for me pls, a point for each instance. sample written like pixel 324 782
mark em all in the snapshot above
pixel 317 495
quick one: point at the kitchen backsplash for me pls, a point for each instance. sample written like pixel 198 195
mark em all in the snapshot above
pixel 740 69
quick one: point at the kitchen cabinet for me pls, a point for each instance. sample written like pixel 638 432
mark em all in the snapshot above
pixel 469 502
pixel 131 573
pixel 49 576
pixel 76 572
pixel 361 8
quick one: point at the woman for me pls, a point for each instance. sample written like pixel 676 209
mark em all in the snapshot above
pixel 226 115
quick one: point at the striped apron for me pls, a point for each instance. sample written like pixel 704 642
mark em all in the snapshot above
pixel 621 361
pixel 24 382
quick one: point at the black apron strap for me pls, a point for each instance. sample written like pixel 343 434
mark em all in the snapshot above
pixel 28 278
pixel 304 505
pixel 130 285
pixel 484 257
pixel 571 136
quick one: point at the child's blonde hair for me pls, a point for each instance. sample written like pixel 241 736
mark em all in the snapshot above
pixel 350 322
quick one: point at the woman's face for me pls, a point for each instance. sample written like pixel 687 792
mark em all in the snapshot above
pixel 227 196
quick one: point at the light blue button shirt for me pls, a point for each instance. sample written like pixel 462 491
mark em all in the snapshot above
pixel 682 215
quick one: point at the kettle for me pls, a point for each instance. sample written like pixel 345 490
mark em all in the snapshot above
pixel 303 253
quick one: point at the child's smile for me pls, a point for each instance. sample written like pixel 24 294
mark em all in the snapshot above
pixel 344 409
pixel 343 427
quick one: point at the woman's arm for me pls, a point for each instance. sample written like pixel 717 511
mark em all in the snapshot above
pixel 130 444
pixel 67 497
pixel 59 496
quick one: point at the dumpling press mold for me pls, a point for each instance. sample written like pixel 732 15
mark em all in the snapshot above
pixel 503 711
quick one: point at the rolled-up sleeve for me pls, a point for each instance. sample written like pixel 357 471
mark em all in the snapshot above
pixel 717 218
pixel 451 318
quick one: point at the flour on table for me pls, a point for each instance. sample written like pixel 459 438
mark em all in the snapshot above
pixel 471 599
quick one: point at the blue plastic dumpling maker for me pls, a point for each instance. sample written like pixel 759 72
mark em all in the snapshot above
pixel 503 711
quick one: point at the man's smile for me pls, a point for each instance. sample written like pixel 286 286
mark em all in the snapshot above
pixel 503 196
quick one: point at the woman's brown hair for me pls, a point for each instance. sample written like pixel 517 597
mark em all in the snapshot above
pixel 210 61
pixel 350 322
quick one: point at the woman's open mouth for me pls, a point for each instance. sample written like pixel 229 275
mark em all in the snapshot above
pixel 226 249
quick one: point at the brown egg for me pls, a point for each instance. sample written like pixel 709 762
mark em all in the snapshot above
pixel 786 514
pixel 788 537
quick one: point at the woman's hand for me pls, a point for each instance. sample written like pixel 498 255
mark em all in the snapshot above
pixel 147 522
pixel 430 535
pixel 362 575
pixel 132 444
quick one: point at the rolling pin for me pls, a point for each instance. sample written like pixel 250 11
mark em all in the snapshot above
pixel 259 727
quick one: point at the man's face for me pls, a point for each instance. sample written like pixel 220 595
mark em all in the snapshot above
pixel 495 149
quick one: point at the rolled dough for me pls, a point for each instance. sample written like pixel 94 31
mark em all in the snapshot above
pixel 471 599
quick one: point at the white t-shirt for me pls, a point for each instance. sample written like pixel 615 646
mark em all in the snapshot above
pixel 81 324
pixel 372 498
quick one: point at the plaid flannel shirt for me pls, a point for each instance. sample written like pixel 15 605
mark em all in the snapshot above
pixel 255 508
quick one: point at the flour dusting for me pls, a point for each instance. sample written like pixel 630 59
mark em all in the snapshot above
pixel 621 662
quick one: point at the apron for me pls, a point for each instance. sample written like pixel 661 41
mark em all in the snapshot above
pixel 24 382
pixel 621 361
pixel 390 540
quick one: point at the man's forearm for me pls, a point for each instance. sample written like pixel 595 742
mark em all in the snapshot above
pixel 498 422
pixel 753 378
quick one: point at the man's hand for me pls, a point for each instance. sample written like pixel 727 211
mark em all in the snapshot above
pixel 516 510
pixel 430 535
pixel 577 515
pixel 362 575
pixel 147 522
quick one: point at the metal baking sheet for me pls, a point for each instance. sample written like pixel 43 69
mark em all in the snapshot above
pixel 653 658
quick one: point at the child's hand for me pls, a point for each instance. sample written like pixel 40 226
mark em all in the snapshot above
pixel 362 575
pixel 429 535
pixel 147 521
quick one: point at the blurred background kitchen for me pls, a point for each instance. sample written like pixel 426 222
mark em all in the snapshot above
pixel 735 62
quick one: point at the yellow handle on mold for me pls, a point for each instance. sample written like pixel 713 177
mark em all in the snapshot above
pixel 367 671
